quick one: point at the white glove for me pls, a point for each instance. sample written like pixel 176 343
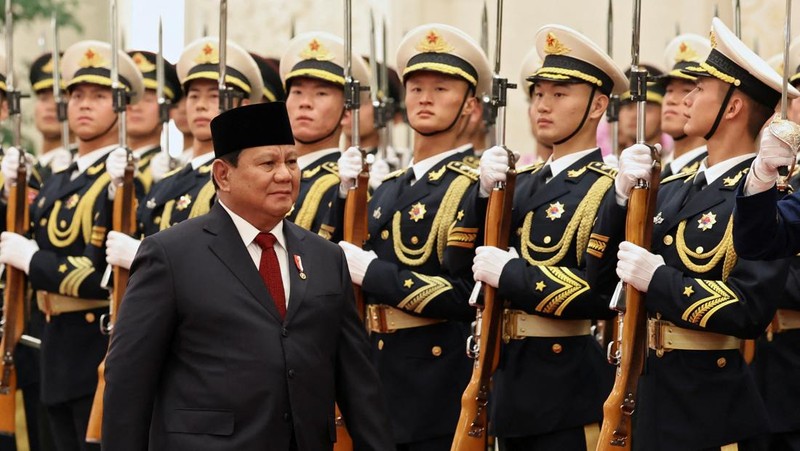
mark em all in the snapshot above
pixel 773 153
pixel 635 162
pixel 17 251
pixel 159 165
pixel 60 160
pixel 488 264
pixel 120 249
pixel 636 265
pixel 377 172
pixel 358 260
pixel 493 168
pixel 349 168
pixel 115 167
pixel 9 168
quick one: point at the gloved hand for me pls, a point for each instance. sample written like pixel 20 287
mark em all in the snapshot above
pixel 61 159
pixel 772 154
pixel 10 166
pixel 377 172
pixel 635 162
pixel 358 260
pixel 636 265
pixel 488 264
pixel 120 249
pixel 493 168
pixel 349 168
pixel 115 167
pixel 159 166
pixel 17 251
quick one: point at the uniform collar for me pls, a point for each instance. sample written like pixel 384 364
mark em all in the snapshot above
pixel 719 169
pixel 138 153
pixel 305 161
pixel 201 160
pixel 557 166
pixel 422 167
pixel 679 163
pixel 86 161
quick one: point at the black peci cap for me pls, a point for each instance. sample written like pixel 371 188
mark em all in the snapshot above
pixel 261 124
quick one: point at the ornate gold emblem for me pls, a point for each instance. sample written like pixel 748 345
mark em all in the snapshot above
pixel 417 212
pixel 540 286
pixel 143 63
pixel 434 42
pixel 732 181
pixel 208 55
pixel 553 46
pixel 92 59
pixel 685 53
pixel 688 291
pixel 707 221
pixel 72 201
pixel 316 51
pixel 554 211
pixel 183 202
pixel 576 173
pixel 436 175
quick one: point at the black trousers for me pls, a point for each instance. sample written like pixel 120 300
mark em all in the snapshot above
pixel 435 444
pixel 565 440
pixel 68 422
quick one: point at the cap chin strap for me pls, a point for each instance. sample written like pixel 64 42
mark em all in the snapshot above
pixel 452 124
pixel 720 113
pixel 103 133
pixel 583 119
pixel 324 137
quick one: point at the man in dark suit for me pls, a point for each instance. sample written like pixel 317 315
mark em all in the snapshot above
pixel 222 345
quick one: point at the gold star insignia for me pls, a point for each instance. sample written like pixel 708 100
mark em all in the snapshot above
pixel 460 215
pixel 408 283
pixel 554 211
pixel 707 221
pixel 540 286
pixel 417 212
pixel 688 291
pixel 62 268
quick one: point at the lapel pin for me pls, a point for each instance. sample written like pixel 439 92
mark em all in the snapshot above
pixel 299 263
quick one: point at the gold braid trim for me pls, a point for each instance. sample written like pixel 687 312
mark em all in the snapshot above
pixel 720 75
pixel 71 282
pixel 719 296
pixel 723 249
pixel 581 222
pixel 202 204
pixel 572 286
pixel 445 217
pixel 308 211
pixel 562 74
pixel 166 215
pixel 81 219
pixel 422 296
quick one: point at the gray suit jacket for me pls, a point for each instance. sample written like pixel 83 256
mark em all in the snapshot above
pixel 200 358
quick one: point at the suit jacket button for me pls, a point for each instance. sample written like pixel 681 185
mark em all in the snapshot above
pixel 284 332
pixel 291 374
pixel 436 351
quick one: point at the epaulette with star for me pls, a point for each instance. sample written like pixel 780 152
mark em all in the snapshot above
pixel 602 168
pixel 394 175
pixel 678 176
pixel 472 161
pixel 531 167
pixel 464 169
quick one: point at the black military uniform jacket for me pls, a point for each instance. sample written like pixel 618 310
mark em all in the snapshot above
pixel 182 194
pixel 69 221
pixel 145 172
pixel 544 385
pixel 691 166
pixel 319 185
pixel 701 399
pixel 424 370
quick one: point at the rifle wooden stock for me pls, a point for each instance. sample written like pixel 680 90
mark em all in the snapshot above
pixel 472 432
pixel 18 221
pixel 615 434
pixel 355 226
pixel 124 220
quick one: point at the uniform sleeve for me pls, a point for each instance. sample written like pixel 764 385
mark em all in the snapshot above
pixel 466 233
pixel 138 348
pixel 765 228
pixel 607 234
pixel 742 305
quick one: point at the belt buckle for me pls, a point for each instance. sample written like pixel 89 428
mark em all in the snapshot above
pixel 657 336
pixel 510 326
pixel 377 319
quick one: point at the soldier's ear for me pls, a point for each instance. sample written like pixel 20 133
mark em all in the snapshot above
pixel 599 105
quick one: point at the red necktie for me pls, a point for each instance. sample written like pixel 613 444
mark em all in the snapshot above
pixel 270 270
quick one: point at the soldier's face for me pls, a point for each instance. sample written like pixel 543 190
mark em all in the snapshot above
pixel 142 117
pixel 90 111
pixel 202 105
pixel 627 122
pixel 45 116
pixel 178 115
pixel 558 109
pixel 315 108
pixel 366 121
pixel 263 185
pixel 702 105
pixel 433 100
pixel 673 117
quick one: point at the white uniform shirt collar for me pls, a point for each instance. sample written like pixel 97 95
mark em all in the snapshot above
pixel 304 161
pixel 557 166
pixel 422 167
pixel 143 150
pixel 86 161
pixel 201 160
pixel 719 169
pixel 679 163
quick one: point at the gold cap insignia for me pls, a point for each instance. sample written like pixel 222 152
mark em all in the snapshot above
pixel 433 42
pixel 92 59
pixel 208 55
pixel 316 51
pixel 143 63
pixel 685 53
pixel 713 38
pixel 48 67
pixel 553 46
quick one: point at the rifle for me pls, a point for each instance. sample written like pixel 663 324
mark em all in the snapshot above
pixel 784 129
pixel 164 104
pixel 483 346
pixel 61 102
pixel 632 337
pixel 123 220
pixel 226 93
pixel 17 221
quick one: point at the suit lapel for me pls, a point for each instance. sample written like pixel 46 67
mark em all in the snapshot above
pixel 298 264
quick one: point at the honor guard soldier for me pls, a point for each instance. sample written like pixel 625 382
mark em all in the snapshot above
pixel 685 51
pixel 271 79
pixel 144 120
pixel 52 157
pixel 188 192
pixel 418 312
pixel 312 70
pixel 553 376
pixel 702 299
pixel 627 110
pixel 65 259
pixel 530 64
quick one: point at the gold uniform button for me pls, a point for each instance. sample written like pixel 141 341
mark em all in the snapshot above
pixel 368 237
pixel 547 239
pixel 668 240
pixel 89 317
pixel 414 240
pixel 557 348
pixel 63 224
pixel 385 234
pixel 43 222
pixel 519 231
pixel 721 362
pixel 436 351
pixel 380 345
pixel 157 220
pixel 699 249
